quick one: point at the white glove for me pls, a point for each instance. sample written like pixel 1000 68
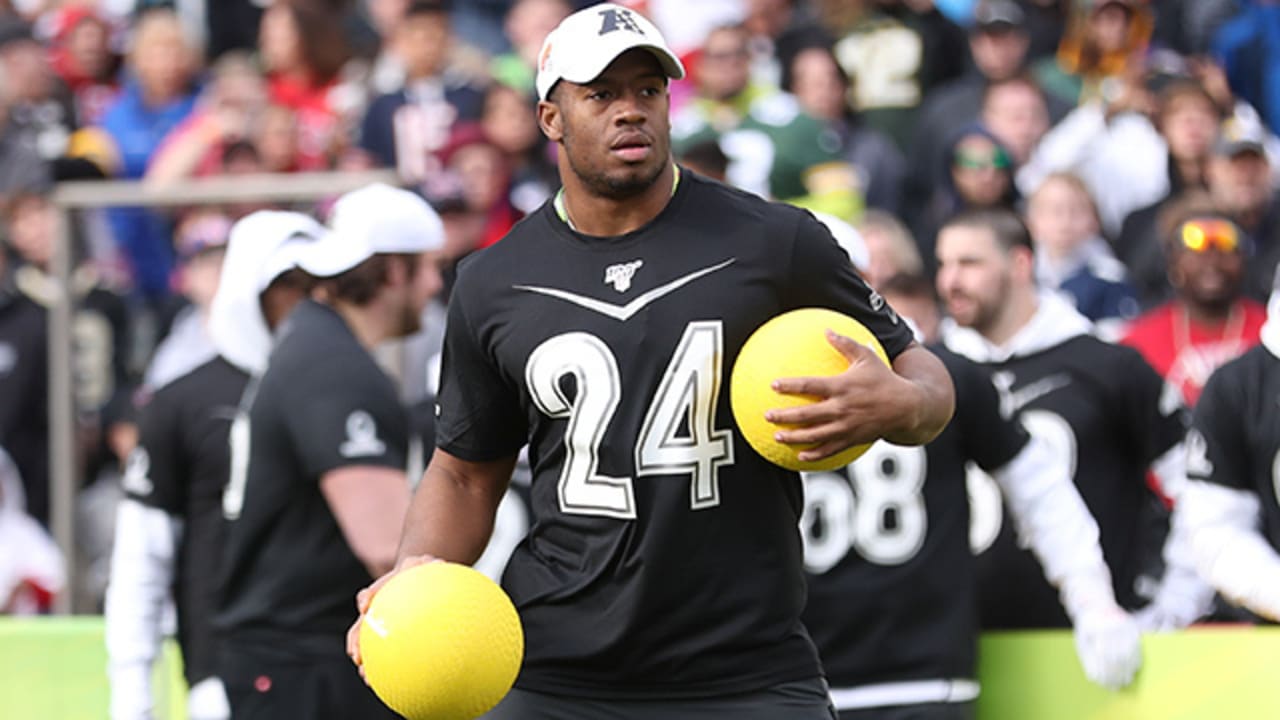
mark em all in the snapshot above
pixel 131 692
pixel 1182 599
pixel 1109 645
pixel 207 700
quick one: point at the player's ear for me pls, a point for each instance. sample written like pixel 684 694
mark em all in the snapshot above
pixel 397 271
pixel 551 120
pixel 1022 260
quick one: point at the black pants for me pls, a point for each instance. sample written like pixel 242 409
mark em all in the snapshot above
pixel 928 711
pixel 801 700
pixel 264 685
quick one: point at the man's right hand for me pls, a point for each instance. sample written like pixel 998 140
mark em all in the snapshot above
pixel 365 597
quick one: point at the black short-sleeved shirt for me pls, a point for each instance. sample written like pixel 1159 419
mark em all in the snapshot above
pixel 1235 437
pixel 180 467
pixel 322 404
pixel 892 584
pixel 24 394
pixel 664 556
pixel 1107 414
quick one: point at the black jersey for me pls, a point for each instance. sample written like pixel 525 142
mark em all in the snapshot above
pixel 1235 439
pixel 892 584
pixel 24 394
pixel 1105 412
pixel 664 555
pixel 180 466
pixel 322 404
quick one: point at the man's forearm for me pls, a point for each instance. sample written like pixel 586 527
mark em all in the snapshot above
pixel 928 405
pixel 451 514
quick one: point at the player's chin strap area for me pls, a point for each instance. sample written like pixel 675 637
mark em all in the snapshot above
pixel 914 692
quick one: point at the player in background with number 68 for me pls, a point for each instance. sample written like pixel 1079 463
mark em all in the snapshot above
pixel 662 574
pixel 887 547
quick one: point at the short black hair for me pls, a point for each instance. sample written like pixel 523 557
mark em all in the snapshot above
pixel 1009 230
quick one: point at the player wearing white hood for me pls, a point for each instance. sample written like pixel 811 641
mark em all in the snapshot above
pixel 1231 504
pixel 169 526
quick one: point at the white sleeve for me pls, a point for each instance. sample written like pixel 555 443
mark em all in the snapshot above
pixel 1227 548
pixel 1053 521
pixel 142 567
pixel 1183 596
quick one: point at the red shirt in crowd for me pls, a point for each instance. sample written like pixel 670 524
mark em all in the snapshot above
pixel 318 121
pixel 1185 352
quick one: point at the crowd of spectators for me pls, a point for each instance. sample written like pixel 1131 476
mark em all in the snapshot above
pixel 1106 123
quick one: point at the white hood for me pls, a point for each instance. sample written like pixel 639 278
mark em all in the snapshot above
pixel 1054 322
pixel 261 247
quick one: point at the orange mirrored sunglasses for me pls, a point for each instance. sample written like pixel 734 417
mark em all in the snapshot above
pixel 1201 235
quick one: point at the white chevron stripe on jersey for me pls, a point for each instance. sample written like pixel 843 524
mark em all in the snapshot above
pixel 623 313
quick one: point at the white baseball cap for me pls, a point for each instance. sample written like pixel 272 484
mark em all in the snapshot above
pixel 584 44
pixel 375 220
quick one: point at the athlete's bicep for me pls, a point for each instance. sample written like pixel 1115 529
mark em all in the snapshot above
pixel 369 502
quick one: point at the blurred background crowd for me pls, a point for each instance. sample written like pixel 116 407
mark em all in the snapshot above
pixel 1104 123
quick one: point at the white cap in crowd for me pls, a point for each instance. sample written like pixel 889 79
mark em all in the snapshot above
pixel 261 247
pixel 375 220
pixel 584 44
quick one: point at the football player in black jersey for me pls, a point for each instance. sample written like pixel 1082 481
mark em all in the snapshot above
pixel 1231 505
pixel 169 525
pixel 318 488
pixel 662 575
pixel 893 586
pixel 1104 410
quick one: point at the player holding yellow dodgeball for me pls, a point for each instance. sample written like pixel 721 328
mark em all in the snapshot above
pixel 662 574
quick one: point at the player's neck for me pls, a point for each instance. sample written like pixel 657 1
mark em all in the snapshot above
pixel 592 214
pixel 367 323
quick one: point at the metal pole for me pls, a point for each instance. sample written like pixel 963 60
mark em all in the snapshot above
pixel 263 187
pixel 62 453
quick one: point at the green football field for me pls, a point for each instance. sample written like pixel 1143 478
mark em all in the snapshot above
pixel 55 669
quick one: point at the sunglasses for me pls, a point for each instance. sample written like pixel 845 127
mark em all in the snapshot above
pixel 1201 235
pixel 997 160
